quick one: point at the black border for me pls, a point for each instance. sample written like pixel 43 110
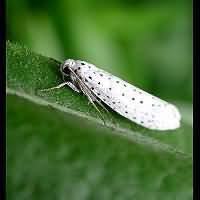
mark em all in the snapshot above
pixel 2 97
pixel 196 86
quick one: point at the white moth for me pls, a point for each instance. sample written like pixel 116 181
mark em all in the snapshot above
pixel 124 98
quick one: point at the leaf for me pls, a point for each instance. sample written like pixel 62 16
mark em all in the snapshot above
pixel 28 73
pixel 68 152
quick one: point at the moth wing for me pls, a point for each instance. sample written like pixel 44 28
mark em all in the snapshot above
pixel 129 101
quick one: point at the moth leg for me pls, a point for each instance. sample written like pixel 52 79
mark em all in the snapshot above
pixel 91 100
pixel 100 115
pixel 87 92
pixel 73 87
pixel 94 99
pixel 56 87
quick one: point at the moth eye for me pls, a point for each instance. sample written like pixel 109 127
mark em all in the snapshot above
pixel 66 70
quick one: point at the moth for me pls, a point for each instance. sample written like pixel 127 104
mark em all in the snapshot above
pixel 129 101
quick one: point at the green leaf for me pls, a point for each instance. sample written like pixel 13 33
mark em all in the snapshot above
pixel 58 148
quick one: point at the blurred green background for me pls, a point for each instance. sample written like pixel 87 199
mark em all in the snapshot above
pixel 147 42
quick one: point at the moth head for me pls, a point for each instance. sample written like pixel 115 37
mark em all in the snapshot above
pixel 67 66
